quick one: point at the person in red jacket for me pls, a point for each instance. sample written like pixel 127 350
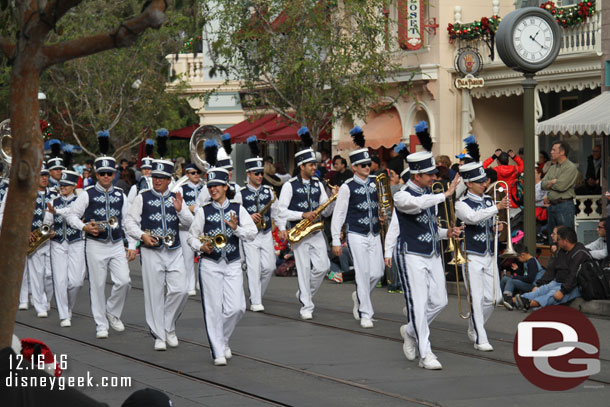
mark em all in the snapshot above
pixel 507 173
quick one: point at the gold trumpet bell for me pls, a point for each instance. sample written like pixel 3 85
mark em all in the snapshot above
pixel 458 258
pixel 450 247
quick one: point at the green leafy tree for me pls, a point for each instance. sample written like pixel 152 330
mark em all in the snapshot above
pixel 311 61
pixel 25 45
pixel 122 90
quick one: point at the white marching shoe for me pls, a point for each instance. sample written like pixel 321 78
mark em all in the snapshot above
pixel 430 362
pixel 472 336
pixel 115 323
pixel 306 316
pixel 409 347
pixel 65 323
pixel 220 361
pixel 366 323
pixel 257 308
pixel 42 314
pixel 160 344
pixel 101 334
pixel 228 353
pixel 172 339
pixel 484 347
pixel 23 306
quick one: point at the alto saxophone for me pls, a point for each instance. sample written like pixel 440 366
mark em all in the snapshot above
pixel 42 234
pixel 262 224
pixel 306 227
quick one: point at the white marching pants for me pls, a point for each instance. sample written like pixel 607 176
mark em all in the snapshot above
pixel 367 255
pixel 310 251
pixel 163 268
pixel 481 277
pixel 48 275
pixel 102 257
pixel 223 301
pixel 260 261
pixel 68 265
pixel 189 260
pixel 35 273
pixel 423 282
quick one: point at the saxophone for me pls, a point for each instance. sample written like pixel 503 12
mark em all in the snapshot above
pixel 306 227
pixel 42 234
pixel 262 224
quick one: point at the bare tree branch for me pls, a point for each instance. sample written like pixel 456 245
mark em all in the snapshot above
pixel 70 124
pixel 125 35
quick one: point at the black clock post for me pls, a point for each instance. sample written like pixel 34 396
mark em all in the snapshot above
pixel 528 40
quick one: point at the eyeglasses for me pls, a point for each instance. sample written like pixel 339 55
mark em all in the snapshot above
pixel 365 165
pixel 106 173
pixel 258 174
pixel 193 172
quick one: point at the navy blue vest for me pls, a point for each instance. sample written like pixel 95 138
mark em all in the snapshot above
pixel 305 197
pixel 191 193
pixel 62 230
pixel 419 232
pixel 255 200
pixel 3 189
pixel 362 212
pixel 102 205
pixel 159 215
pixel 41 206
pixel 215 215
pixel 479 237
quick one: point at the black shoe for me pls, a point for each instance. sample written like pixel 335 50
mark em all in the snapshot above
pixel 523 302
pixel 508 302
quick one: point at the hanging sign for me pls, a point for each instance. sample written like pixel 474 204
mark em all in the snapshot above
pixel 411 24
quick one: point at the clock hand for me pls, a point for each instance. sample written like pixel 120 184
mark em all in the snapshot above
pixel 534 39
pixel 537 32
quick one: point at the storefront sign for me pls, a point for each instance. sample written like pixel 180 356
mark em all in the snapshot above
pixel 411 24
pixel 469 82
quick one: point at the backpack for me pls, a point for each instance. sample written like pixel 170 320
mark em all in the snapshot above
pixel 594 279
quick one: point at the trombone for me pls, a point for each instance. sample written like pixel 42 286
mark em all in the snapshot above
pixel 454 247
pixel 499 190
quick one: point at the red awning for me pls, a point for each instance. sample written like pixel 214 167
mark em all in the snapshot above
pixel 270 127
pixel 183 133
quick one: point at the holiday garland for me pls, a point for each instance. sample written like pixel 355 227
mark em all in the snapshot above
pixel 189 46
pixel 570 16
pixel 566 17
pixel 47 130
pixel 473 31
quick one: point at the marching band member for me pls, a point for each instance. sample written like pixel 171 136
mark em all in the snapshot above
pixel 35 266
pixel 358 206
pixel 67 250
pixel 220 270
pixel 55 165
pixel 260 253
pixel 223 161
pixel 190 193
pixel 418 251
pixel 145 181
pixel 299 197
pixel 153 218
pixel 477 211
pixel 104 250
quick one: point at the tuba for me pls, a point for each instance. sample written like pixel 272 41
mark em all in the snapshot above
pixel 200 135
pixel 5 146
pixel 42 234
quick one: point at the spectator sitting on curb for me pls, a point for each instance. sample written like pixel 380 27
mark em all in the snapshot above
pixel 599 248
pixel 525 281
pixel 558 284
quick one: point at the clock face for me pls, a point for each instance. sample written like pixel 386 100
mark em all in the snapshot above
pixel 533 39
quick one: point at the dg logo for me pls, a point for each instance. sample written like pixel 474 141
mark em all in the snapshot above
pixel 64 176
pixel 481 171
pixel 366 154
pixel 105 163
pixel 211 175
pixel 159 167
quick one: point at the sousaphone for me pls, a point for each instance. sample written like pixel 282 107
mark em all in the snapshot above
pixel 5 146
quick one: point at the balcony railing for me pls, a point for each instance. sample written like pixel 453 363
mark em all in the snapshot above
pixel 189 66
pixel 582 38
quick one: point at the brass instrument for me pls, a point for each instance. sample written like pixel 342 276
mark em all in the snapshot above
pixel 458 254
pixel 198 138
pixel 112 223
pixel 262 224
pixel 5 146
pixel 167 240
pixel 306 227
pixel 386 206
pixel 219 241
pixel 42 234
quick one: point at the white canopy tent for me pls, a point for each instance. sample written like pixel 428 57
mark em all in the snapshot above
pixel 591 118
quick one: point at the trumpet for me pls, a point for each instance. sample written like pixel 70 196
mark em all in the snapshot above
pixel 42 234
pixel 112 223
pixel 218 241
pixel 168 240
pixel 458 254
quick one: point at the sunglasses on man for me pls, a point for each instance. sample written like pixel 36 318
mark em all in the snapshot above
pixel 365 165
pixel 193 172
pixel 106 173
pixel 258 173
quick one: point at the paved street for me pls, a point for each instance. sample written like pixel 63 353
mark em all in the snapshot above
pixel 330 361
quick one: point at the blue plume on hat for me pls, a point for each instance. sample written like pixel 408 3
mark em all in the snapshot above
pixel 357 136
pixel 402 150
pixel 421 129
pixel 226 143
pixel 103 140
pixel 210 148
pixel 253 144
pixel 473 148
pixel 148 148
pixel 162 142
pixel 305 136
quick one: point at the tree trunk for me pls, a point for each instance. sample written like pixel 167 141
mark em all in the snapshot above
pixel 27 154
